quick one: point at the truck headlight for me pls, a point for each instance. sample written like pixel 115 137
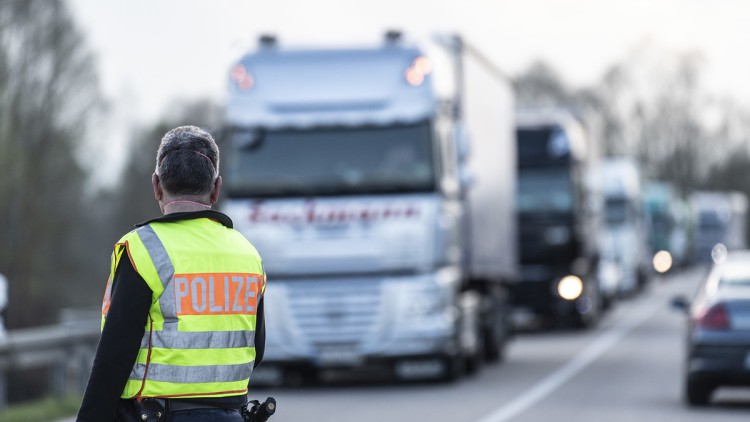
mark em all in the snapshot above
pixel 425 303
pixel 432 296
pixel 570 287
pixel 662 261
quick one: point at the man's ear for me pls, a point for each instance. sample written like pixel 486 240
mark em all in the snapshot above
pixel 216 189
pixel 158 191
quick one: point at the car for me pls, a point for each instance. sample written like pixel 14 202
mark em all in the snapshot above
pixel 718 338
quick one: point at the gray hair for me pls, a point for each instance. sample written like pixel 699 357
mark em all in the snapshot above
pixel 187 161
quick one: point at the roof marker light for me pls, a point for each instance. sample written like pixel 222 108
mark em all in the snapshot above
pixel 414 77
pixel 419 69
pixel 422 64
pixel 242 77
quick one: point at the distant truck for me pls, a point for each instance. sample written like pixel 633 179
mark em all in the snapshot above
pixel 668 223
pixel 625 221
pixel 560 217
pixel 720 221
pixel 378 185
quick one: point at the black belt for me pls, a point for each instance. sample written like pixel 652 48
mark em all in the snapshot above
pixel 177 405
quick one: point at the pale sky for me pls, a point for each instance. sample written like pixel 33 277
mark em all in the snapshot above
pixel 151 52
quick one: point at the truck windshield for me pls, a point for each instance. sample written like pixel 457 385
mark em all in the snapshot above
pixel 543 145
pixel 544 190
pixel 617 211
pixel 365 160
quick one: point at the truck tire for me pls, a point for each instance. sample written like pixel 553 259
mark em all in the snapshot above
pixel 591 318
pixel 495 335
pixel 495 325
pixel 474 361
pixel 455 367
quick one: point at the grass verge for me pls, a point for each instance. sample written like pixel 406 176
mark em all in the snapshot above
pixel 45 410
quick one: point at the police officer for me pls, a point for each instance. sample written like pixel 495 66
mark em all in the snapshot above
pixel 182 318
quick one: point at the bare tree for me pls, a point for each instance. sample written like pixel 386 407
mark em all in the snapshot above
pixel 672 137
pixel 48 89
pixel 646 109
pixel 541 86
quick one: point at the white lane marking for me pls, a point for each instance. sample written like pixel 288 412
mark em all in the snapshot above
pixel 556 379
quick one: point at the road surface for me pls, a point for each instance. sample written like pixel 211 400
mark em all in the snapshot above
pixel 626 369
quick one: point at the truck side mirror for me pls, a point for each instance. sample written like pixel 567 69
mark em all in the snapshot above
pixel 463 144
pixel 466 178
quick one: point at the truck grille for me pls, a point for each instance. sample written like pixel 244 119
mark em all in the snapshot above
pixel 341 312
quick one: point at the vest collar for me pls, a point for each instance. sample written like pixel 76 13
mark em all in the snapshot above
pixel 181 216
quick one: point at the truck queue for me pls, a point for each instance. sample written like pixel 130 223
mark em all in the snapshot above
pixel 412 218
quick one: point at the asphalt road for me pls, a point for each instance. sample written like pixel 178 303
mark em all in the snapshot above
pixel 628 368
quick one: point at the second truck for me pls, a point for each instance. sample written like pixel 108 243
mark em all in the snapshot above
pixel 560 216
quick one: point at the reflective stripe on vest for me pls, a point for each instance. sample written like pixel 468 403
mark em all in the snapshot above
pixel 217 339
pixel 195 373
pixel 165 269
pixel 199 340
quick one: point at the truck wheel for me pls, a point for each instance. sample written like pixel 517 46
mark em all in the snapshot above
pixel 301 377
pixel 607 302
pixel 495 339
pixel 496 326
pixel 592 310
pixel 493 347
pixel 589 320
pixel 475 360
pixel 455 367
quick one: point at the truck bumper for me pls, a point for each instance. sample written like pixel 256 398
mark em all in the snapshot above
pixel 414 367
pixel 539 299
pixel 358 323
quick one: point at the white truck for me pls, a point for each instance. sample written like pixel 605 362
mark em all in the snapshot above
pixel 720 219
pixel 387 235
pixel 625 221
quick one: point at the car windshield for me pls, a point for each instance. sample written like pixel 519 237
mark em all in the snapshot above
pixel 544 190
pixel 332 161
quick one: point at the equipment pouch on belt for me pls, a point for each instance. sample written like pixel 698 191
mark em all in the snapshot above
pixel 146 410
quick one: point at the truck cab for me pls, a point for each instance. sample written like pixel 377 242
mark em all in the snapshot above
pixel 625 222
pixel 559 214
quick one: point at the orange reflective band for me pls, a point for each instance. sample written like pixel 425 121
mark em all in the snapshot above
pixel 217 293
pixel 127 249
pixel 107 297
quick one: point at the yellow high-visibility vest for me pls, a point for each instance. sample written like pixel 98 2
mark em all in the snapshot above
pixel 207 281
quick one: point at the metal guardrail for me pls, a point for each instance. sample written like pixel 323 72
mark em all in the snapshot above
pixel 66 349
